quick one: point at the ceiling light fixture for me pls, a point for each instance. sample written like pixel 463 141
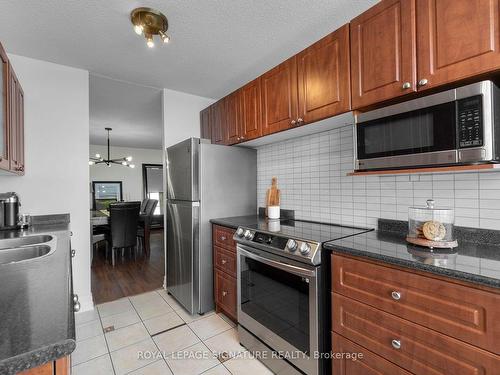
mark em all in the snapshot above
pixel 150 22
pixel 98 159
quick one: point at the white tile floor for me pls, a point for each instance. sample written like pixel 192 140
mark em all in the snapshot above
pixel 152 334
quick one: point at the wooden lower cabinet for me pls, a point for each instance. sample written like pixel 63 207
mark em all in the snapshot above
pixel 59 367
pixel 420 324
pixel 224 261
pixel 365 362
pixel 225 294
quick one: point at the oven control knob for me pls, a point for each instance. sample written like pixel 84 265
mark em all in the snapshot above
pixel 305 248
pixel 292 245
pixel 240 232
pixel 248 235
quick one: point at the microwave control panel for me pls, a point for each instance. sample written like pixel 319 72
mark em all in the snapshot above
pixel 470 120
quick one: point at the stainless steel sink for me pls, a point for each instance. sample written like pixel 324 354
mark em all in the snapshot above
pixel 23 253
pixel 10 243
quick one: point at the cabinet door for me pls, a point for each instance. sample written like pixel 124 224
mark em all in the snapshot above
pixel 13 120
pixel 232 118
pixel 218 131
pixel 19 142
pixel 251 119
pixel 205 124
pixel 383 62
pixel 279 97
pixel 4 111
pixel 225 293
pixel 368 364
pixel 324 77
pixel 456 39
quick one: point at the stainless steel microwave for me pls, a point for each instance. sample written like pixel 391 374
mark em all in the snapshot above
pixel 459 126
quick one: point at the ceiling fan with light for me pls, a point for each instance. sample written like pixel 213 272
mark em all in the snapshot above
pixel 98 159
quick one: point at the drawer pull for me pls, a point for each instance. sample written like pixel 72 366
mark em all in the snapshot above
pixel 224 293
pixel 76 307
pixel 396 344
pixel 222 238
pixel 224 261
pixel 396 295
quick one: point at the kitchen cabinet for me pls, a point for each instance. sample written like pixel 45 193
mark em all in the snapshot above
pixel 16 118
pixel 323 77
pixel 4 113
pixel 224 258
pixel 279 97
pixel 206 123
pixel 218 124
pixel 57 367
pixel 231 118
pixel 420 323
pixel 11 118
pixel 251 119
pixel 456 40
pixel 383 45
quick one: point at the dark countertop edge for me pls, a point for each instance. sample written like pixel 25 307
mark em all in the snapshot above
pixel 447 272
pixel 37 357
pixel 224 223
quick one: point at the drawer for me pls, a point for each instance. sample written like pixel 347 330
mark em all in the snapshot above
pixel 420 351
pixel 367 364
pixel 459 311
pixel 223 237
pixel 225 260
pixel 225 293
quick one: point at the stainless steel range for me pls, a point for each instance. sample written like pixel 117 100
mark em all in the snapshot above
pixel 280 292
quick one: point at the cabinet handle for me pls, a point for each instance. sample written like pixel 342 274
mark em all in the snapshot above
pixel 293 122
pixel 238 139
pixel 224 293
pixel 75 298
pixel 396 295
pixel 73 253
pixel 76 307
pixel 242 138
pixel 224 261
pixel 222 238
pixel 406 85
pixel 423 82
pixel 300 120
pixel 396 344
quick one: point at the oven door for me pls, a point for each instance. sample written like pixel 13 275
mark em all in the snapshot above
pixel 414 137
pixel 278 303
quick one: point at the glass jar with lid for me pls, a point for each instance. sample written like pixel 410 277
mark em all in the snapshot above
pixel 429 225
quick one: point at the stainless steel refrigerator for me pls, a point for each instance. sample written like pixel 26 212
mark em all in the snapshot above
pixel 204 181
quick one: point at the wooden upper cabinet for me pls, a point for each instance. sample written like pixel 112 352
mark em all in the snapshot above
pixel 13 121
pixel 218 124
pixel 4 111
pixel 456 39
pixel 383 61
pixel 323 70
pixel 206 123
pixel 251 119
pixel 279 97
pixel 232 118
pixel 19 142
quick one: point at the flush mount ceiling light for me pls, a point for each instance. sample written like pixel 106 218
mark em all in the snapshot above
pixel 108 161
pixel 150 22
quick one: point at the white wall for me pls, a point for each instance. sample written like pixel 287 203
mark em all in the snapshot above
pixel 131 177
pixel 56 144
pixel 181 115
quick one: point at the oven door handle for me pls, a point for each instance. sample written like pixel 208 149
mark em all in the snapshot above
pixel 276 264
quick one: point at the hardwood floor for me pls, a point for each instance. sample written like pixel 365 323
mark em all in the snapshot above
pixel 129 276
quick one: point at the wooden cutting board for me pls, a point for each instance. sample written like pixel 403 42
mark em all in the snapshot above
pixel 273 194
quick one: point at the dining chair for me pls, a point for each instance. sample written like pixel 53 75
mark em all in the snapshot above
pixel 123 220
pixel 144 228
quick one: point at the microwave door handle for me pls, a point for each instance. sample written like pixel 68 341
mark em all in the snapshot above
pixel 280 265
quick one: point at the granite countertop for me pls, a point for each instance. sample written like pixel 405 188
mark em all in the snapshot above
pixel 475 260
pixel 36 308
pixel 238 221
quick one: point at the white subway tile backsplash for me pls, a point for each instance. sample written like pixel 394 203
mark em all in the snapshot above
pixel 312 175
